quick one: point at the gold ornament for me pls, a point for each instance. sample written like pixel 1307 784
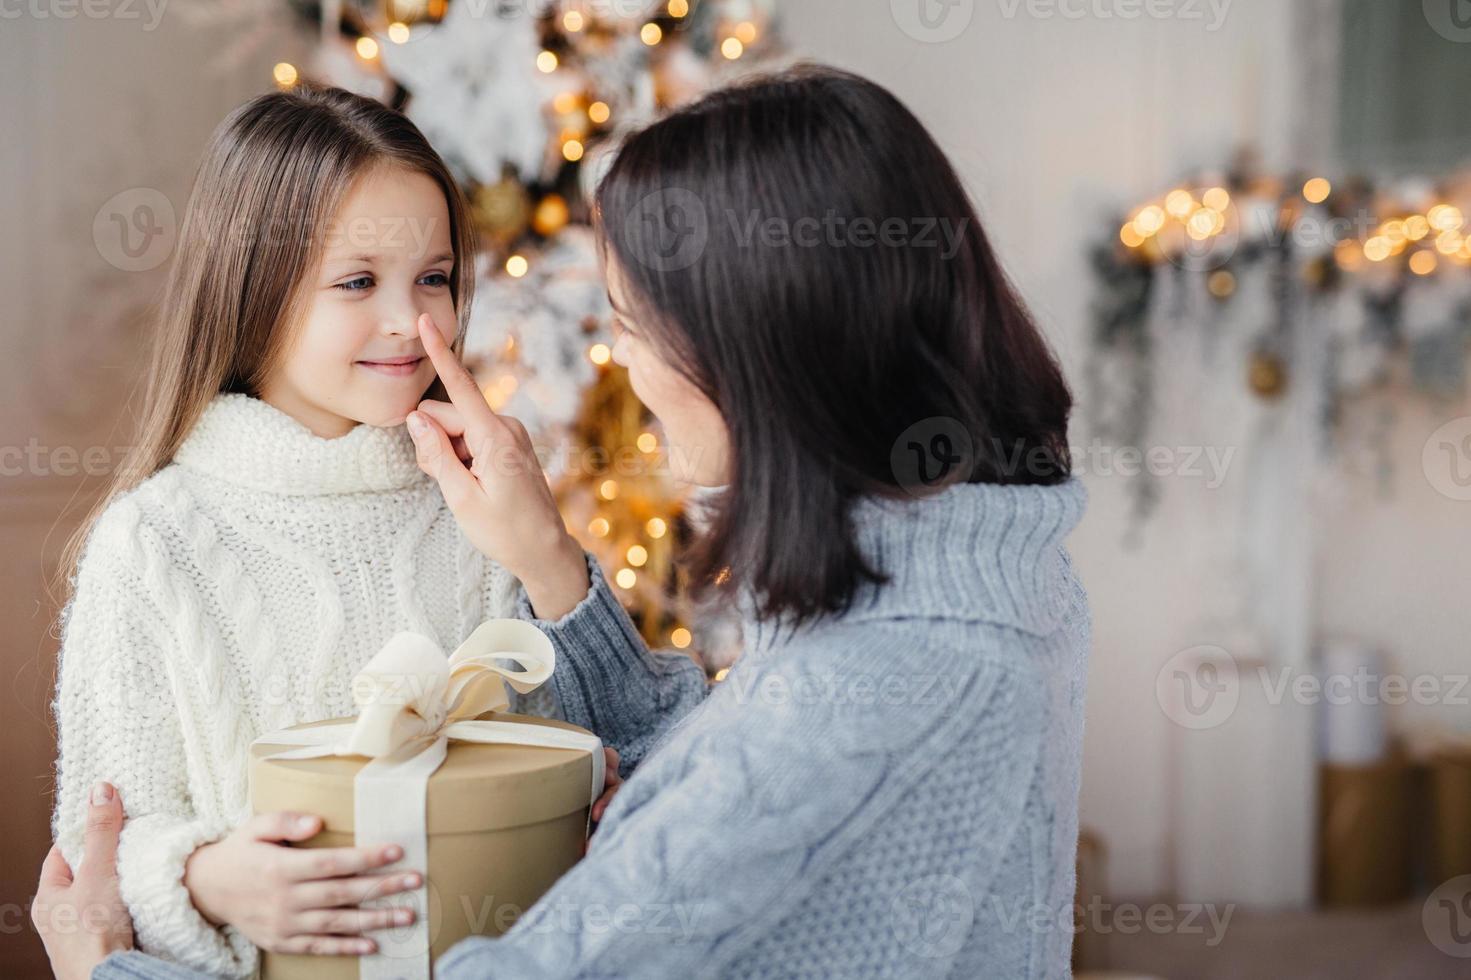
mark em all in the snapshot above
pixel 1267 375
pixel 502 210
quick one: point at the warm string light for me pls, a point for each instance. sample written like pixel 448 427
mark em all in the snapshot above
pixel 398 32
pixel 651 34
pixel 1441 227
pixel 517 266
pixel 599 354
pixel 285 74
pixel 546 62
pixel 679 8
pixel 367 48
pixel 1423 263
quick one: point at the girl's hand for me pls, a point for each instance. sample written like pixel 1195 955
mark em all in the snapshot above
pixel 611 782
pixel 81 917
pixel 501 499
pixel 296 900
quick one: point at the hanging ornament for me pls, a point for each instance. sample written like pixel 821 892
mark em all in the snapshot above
pixel 502 210
pixel 1266 374
pixel 1221 284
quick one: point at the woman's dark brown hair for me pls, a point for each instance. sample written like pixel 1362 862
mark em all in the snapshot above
pixel 801 249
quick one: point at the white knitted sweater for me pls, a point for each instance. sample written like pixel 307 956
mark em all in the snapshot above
pixel 237 591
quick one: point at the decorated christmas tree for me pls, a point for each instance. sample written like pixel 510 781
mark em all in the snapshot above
pixel 527 101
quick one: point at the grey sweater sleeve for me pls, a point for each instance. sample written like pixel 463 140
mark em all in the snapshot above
pixel 133 965
pixel 718 838
pixel 607 680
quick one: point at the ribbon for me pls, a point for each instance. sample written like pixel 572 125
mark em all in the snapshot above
pixel 411 701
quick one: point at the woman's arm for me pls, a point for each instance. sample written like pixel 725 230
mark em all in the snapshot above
pixel 487 470
pixel 118 721
pixel 607 680
pixel 715 845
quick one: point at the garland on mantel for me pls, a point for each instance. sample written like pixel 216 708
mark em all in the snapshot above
pixel 1386 268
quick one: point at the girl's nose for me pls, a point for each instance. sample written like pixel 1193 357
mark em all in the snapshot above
pixel 402 320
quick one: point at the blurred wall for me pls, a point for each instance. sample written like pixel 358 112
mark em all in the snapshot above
pixel 1055 122
pixel 93 108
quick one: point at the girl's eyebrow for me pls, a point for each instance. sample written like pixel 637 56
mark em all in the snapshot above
pixel 369 259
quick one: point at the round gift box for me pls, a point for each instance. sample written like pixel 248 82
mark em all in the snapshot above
pixel 504 823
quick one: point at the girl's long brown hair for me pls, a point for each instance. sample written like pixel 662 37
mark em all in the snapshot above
pixel 274 174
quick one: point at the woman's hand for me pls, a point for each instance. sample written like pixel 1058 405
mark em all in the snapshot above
pixel 81 917
pixel 296 900
pixel 501 499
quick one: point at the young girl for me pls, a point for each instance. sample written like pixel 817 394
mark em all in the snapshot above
pixel 272 529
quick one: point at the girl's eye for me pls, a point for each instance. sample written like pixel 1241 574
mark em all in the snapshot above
pixel 353 285
pixel 434 279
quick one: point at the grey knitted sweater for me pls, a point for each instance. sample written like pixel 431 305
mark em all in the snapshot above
pixel 887 793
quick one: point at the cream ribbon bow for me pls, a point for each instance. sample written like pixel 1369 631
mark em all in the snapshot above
pixel 411 701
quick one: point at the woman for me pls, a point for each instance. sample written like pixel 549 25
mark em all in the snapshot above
pixel 886 782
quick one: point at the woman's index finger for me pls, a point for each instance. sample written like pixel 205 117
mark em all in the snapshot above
pixel 458 382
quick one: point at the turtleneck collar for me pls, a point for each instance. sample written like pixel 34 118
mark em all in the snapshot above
pixel 245 441
pixel 975 551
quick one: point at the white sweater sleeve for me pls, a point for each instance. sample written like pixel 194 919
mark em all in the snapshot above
pixel 118 720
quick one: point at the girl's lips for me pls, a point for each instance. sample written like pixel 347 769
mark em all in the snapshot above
pixel 396 368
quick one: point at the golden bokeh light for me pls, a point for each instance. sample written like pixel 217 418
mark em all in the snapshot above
pixel 1316 191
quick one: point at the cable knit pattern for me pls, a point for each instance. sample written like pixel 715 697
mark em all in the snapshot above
pixel 236 591
pixel 888 793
